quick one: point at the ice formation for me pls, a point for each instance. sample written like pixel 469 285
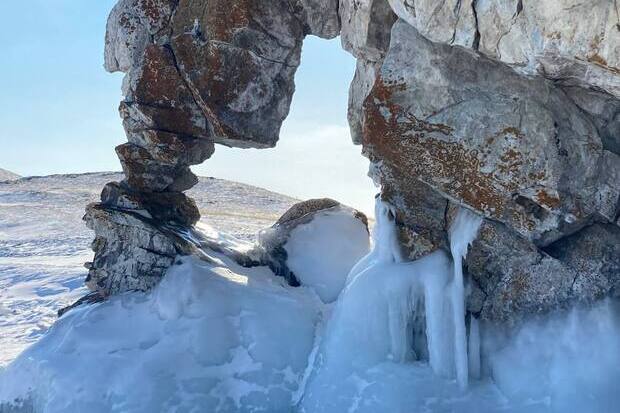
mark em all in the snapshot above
pixel 223 338
pixel 393 311
pixel 211 337
pixel 462 233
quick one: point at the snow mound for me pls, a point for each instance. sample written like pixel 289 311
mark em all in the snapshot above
pixel 210 337
pixel 218 337
pixel 44 242
pixel 322 252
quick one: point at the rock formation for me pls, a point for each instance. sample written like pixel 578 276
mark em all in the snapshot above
pixel 272 240
pixel 504 108
pixel 509 108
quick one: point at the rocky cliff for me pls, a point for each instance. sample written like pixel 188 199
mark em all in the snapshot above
pixel 510 108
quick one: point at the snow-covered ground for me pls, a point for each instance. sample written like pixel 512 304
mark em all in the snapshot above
pixel 44 243
pixel 217 337
pixel 7 175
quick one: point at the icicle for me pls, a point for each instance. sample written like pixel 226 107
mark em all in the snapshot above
pixel 462 233
pixel 473 348
pixel 385 246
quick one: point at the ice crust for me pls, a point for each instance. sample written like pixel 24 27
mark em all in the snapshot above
pixel 218 337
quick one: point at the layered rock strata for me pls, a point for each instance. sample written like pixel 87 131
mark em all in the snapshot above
pixel 509 108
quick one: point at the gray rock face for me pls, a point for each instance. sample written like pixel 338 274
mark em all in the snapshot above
pixel 515 149
pixel 366 35
pixel 130 254
pixel 566 40
pixel 366 27
pixel 594 253
pixel 518 279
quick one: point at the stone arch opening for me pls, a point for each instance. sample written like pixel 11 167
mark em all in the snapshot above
pixel 440 102
pixel 315 156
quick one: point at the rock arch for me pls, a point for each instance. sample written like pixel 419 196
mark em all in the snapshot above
pixel 454 104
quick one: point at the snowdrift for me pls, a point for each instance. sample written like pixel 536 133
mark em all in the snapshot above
pixel 218 337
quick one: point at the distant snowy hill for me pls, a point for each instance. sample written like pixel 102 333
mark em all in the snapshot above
pixel 7 175
pixel 44 243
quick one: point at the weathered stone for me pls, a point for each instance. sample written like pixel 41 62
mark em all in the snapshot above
pixel 366 27
pixel 361 85
pixel 163 207
pixel 451 22
pixel 321 17
pixel 515 149
pixel 594 253
pixel 420 213
pixel 131 25
pixel 552 38
pixel 130 253
pixel 172 149
pixel 272 240
pixel 604 112
pixel 305 209
pixel 516 278
pixel 239 60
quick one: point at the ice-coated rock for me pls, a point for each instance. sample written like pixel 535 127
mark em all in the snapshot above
pixel 273 241
pixel 443 123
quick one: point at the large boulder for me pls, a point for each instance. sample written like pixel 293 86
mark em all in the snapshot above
pixel 316 243
pixel 516 149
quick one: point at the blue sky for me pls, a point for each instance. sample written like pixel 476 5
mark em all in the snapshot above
pixel 58 108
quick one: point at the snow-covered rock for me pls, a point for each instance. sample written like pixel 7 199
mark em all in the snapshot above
pixel 211 337
pixel 316 243
pixel 322 252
